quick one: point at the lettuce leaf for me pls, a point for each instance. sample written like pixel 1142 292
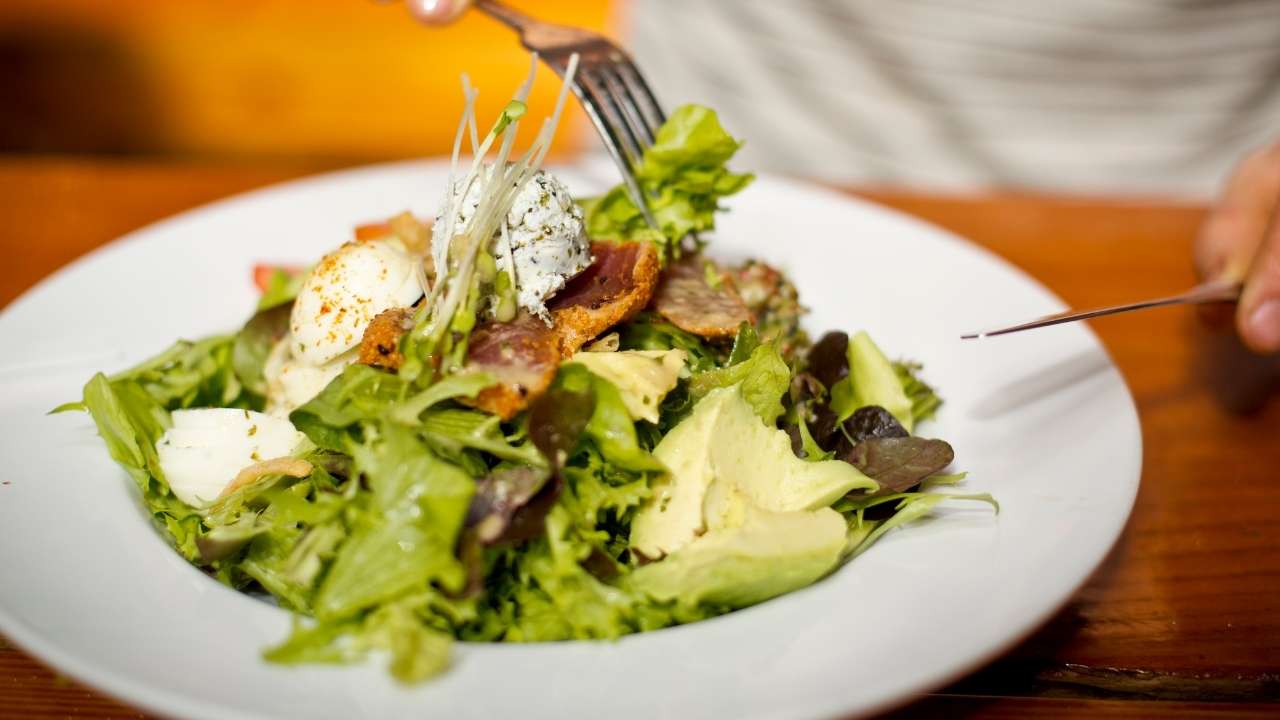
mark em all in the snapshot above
pixel 572 603
pixel 189 374
pixel 745 343
pixel 910 506
pixel 267 562
pixel 765 378
pixel 317 643
pixel 282 287
pixel 924 401
pixel 130 422
pixel 131 411
pixel 461 385
pixel 404 536
pixel 650 332
pixel 610 426
pixel 359 393
pixel 418 651
pixel 253 344
pixel 449 431
pixel 682 174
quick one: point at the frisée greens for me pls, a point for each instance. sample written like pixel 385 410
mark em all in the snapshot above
pixel 653 475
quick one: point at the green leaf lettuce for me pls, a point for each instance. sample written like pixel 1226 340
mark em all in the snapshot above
pixel 683 175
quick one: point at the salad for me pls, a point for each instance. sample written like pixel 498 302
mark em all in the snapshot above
pixel 530 417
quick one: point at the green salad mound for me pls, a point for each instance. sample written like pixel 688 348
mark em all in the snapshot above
pixel 661 479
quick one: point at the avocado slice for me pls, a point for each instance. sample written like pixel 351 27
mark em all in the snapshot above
pixel 770 554
pixel 643 377
pixel 871 381
pixel 724 462
pixel 672 516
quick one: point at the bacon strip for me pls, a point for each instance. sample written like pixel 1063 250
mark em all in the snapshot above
pixel 612 290
pixel 523 354
pixel 687 298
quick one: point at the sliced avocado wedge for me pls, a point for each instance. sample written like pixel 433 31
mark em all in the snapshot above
pixel 758 461
pixel 770 554
pixel 673 514
pixel 643 377
pixel 724 462
pixel 871 381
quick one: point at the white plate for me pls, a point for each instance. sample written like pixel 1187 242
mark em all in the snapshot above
pixel 1042 420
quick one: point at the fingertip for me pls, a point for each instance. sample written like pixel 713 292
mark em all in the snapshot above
pixel 1259 325
pixel 437 12
pixel 1225 245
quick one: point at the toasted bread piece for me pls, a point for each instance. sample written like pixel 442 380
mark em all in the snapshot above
pixel 380 345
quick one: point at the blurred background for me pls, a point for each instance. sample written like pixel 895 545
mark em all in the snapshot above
pixel 1158 97
pixel 331 82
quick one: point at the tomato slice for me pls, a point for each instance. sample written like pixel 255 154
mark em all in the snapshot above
pixel 262 274
pixel 373 231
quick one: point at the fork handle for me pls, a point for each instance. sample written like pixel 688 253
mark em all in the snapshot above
pixel 513 19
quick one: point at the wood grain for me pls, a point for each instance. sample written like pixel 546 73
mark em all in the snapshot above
pixel 1186 609
pixel 1193 588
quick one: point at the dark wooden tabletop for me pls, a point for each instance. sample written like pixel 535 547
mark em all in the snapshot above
pixel 1183 618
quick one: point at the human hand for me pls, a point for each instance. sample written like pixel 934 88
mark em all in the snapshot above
pixel 1240 241
pixel 438 12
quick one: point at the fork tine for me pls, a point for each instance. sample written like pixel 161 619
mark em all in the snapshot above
pixel 607 127
pixel 640 90
pixel 593 78
pixel 625 99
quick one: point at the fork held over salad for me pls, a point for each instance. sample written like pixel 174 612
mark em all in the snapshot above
pixel 532 418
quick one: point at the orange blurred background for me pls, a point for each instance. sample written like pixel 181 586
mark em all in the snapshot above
pixel 328 81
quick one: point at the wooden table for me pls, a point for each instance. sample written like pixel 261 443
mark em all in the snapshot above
pixel 1183 618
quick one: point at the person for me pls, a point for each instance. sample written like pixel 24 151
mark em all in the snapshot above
pixel 1136 98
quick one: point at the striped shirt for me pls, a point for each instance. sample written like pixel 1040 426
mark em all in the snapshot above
pixel 1087 96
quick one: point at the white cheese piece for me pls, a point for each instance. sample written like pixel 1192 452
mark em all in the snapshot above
pixel 207 447
pixel 545 230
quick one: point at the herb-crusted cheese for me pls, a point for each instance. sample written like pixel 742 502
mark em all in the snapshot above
pixel 544 244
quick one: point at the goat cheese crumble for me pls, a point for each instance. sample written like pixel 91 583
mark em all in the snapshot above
pixel 544 244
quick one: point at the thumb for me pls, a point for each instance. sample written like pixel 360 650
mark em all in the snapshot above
pixel 1258 315
pixel 1238 221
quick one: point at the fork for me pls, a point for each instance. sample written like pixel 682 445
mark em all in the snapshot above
pixel 1217 291
pixel 609 85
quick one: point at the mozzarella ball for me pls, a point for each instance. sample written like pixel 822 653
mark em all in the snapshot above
pixel 343 293
pixel 207 447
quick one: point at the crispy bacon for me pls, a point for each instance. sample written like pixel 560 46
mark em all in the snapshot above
pixel 522 354
pixel 688 299
pixel 612 290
